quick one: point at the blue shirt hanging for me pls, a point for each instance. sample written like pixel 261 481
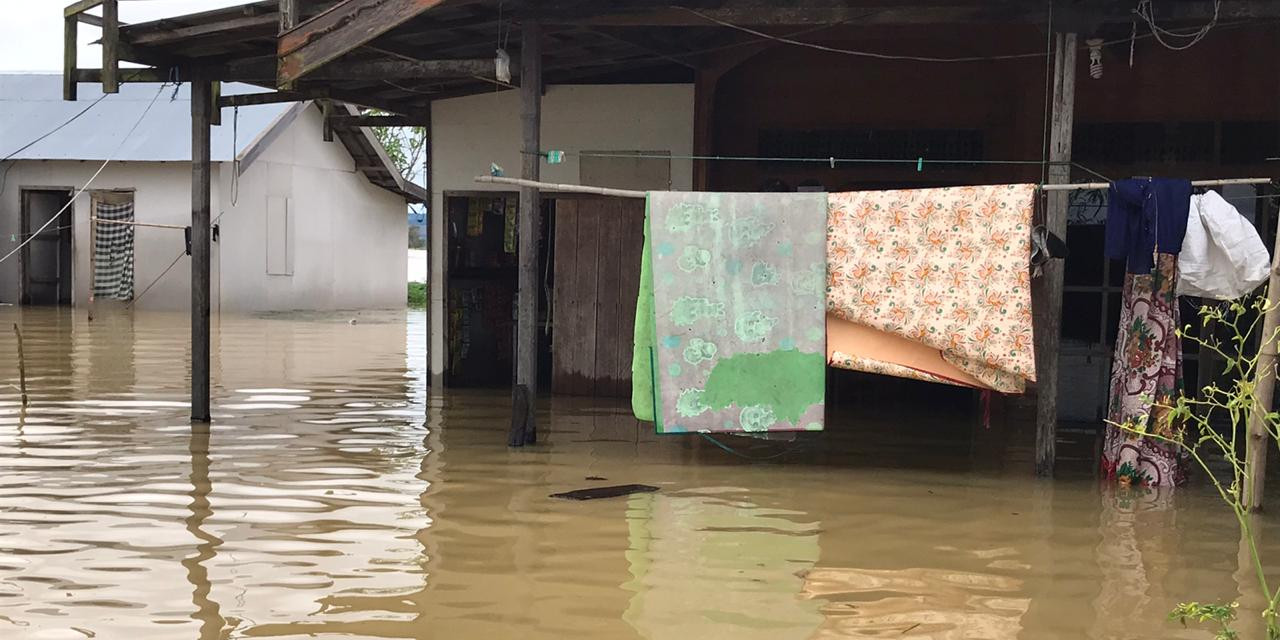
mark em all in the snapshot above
pixel 1143 215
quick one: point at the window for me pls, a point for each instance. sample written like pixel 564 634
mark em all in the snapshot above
pixel 112 245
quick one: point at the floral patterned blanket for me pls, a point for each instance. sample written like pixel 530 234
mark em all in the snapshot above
pixel 738 289
pixel 946 268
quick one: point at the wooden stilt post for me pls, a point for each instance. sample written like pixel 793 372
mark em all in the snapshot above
pixel 110 47
pixel 525 392
pixel 427 161
pixel 201 113
pixel 1047 290
pixel 1264 386
pixel 22 365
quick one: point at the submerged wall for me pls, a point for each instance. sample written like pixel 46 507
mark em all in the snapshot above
pixel 472 132
pixel 346 236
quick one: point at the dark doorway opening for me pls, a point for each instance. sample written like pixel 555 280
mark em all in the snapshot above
pixel 46 259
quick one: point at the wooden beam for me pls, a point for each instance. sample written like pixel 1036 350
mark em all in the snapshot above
pixel 529 230
pixel 110 47
pixel 1264 388
pixel 262 70
pixel 265 22
pixel 144 74
pixel 273 97
pixel 338 31
pixel 79 7
pixel 90 19
pixel 201 111
pixel 380 121
pixel 215 94
pixel 1047 290
pixel 326 111
pixel 69 49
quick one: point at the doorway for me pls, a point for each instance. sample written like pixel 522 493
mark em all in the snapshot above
pixel 46 259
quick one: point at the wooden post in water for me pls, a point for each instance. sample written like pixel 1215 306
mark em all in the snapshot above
pixel 1264 386
pixel 525 392
pixel 22 365
pixel 1047 291
pixel 201 114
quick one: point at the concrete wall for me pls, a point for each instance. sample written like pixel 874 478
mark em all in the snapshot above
pixel 471 132
pixel 349 234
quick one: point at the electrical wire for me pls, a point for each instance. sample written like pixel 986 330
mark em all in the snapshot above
pixel 797 447
pixel 5 175
pixel 1013 56
pixel 1145 12
pixel 106 162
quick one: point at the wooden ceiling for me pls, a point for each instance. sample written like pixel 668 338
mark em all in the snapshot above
pixel 447 50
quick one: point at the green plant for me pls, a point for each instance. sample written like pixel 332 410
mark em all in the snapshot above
pixel 417 295
pixel 1198 437
pixel 1218 613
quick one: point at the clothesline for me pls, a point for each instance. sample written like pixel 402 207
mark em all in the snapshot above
pixel 138 224
pixel 629 193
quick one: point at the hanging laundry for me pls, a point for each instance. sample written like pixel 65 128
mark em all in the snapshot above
pixel 1146 376
pixel 1143 213
pixel 113 251
pixel 736 310
pixel 932 284
pixel 1222 257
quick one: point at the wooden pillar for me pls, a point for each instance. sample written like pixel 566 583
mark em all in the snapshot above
pixel 110 47
pixel 1047 291
pixel 201 113
pixel 529 229
pixel 1257 445
pixel 288 14
pixel 704 100
pixel 70 31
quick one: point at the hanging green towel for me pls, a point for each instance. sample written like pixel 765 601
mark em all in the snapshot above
pixel 730 322
pixel 642 351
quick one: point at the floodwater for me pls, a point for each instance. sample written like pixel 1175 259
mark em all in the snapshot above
pixel 335 498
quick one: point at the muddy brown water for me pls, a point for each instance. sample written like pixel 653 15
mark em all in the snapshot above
pixel 334 497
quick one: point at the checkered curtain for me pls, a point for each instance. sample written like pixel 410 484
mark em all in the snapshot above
pixel 113 253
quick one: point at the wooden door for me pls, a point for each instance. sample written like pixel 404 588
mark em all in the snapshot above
pixel 597 277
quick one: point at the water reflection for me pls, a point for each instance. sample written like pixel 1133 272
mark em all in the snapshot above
pixel 716 565
pixel 334 497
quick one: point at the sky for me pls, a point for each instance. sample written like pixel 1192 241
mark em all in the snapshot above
pixel 31 33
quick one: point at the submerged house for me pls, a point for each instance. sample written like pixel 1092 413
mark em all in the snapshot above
pixel 733 95
pixel 300 223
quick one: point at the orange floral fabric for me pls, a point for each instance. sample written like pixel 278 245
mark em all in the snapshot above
pixel 946 267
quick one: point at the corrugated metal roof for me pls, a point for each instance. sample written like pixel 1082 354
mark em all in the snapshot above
pixel 32 104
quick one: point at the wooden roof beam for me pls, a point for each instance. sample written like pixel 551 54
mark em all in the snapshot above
pixel 263 69
pixel 338 31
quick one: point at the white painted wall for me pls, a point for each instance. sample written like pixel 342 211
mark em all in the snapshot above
pixel 471 132
pixel 350 235
pixel 162 195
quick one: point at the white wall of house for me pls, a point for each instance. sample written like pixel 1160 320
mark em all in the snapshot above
pixel 471 132
pixel 162 194
pixel 348 236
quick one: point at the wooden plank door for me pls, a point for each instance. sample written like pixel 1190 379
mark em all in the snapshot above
pixel 597 275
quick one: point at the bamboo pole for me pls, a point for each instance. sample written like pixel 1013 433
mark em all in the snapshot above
pixel 22 365
pixel 627 193
pixel 1256 445
pixel 139 224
